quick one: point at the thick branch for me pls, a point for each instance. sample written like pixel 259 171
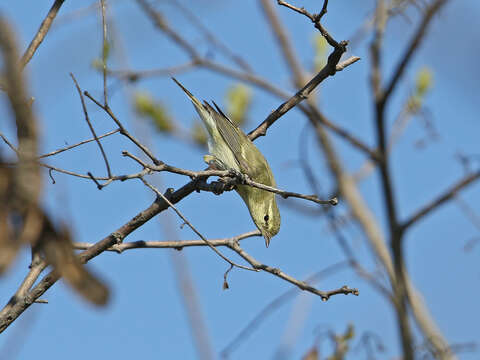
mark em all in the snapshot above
pixel 41 33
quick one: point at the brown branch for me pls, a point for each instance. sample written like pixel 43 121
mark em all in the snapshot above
pixel 133 76
pixel 315 115
pixel 315 18
pixel 440 200
pixel 75 145
pixel 325 295
pixel 92 130
pixel 160 22
pixel 194 20
pixel 104 53
pixel 287 194
pixel 328 70
pixel 399 284
pixel 41 33
pixel 380 21
pixel 177 245
pixel 36 268
pixel 123 131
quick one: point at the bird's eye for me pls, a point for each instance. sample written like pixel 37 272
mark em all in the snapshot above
pixel 266 217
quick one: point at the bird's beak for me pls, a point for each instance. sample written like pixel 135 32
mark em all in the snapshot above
pixel 267 240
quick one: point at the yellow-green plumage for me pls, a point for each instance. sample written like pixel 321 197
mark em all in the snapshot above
pixel 232 149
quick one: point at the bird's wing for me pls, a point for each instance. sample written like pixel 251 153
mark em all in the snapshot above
pixel 233 136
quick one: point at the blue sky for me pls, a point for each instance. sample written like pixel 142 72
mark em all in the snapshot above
pixel 146 317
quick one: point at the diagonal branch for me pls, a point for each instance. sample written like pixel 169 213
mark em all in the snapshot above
pixel 328 70
pixel 325 295
pixel 58 151
pixel 41 33
pixel 412 47
pixel 440 200
pixel 284 42
pixel 92 130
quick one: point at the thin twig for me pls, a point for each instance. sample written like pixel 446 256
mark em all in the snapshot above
pixel 105 49
pixel 440 200
pixel 133 76
pixel 283 40
pixel 210 36
pixel 92 130
pixel 75 145
pixel 162 24
pixel 315 18
pixel 156 191
pixel 124 131
pixel 287 194
pixel 412 47
pixel 328 70
pixel 10 145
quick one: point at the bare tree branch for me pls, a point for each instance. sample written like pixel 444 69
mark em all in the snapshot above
pixel 325 295
pixel 412 47
pixel 105 50
pixel 441 199
pixel 92 130
pixel 74 145
pixel 41 33
pixel 177 245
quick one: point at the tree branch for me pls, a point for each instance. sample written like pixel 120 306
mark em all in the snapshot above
pixel 41 33
pixel 441 199
pixel 177 245
pixel 412 47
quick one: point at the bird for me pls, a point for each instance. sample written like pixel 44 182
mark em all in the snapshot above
pixel 231 149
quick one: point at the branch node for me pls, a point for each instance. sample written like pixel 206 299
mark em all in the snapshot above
pixel 118 237
pixel 99 186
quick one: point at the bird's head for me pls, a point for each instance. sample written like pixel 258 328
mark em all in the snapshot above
pixel 266 216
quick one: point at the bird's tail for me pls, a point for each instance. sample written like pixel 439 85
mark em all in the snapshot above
pixel 202 111
pixel 195 101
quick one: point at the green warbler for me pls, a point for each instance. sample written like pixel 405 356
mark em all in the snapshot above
pixel 230 148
